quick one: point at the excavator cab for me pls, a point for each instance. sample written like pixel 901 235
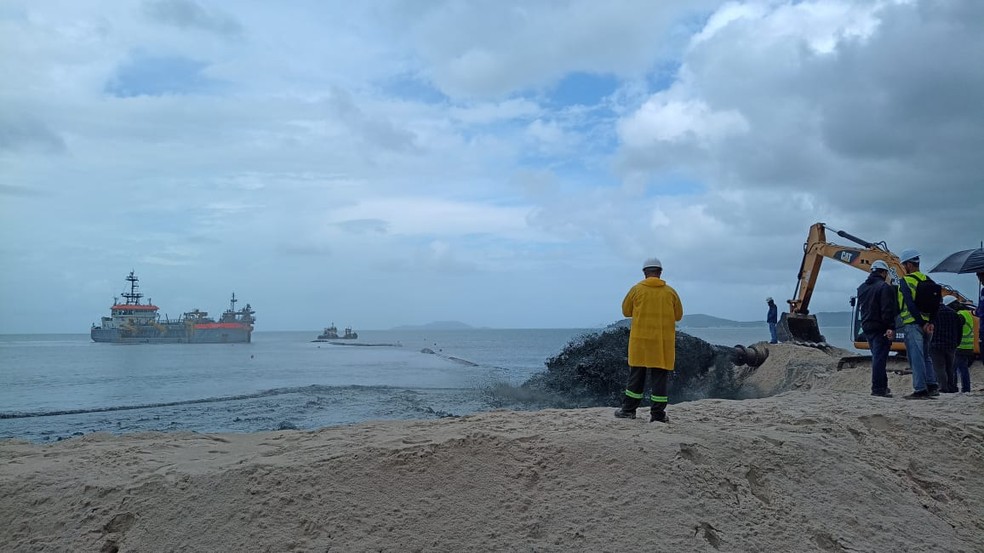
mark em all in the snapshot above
pixel 857 335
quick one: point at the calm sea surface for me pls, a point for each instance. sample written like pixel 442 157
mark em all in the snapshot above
pixel 57 386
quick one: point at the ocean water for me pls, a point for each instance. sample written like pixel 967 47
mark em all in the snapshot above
pixel 58 386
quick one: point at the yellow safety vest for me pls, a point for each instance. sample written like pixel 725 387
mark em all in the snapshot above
pixel 967 340
pixel 904 314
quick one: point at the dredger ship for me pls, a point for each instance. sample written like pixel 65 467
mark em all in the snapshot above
pixel 133 322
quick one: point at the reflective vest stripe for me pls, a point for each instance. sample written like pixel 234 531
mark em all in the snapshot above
pixel 658 399
pixel 967 340
pixel 633 395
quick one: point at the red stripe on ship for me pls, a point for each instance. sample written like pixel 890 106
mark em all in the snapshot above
pixel 221 325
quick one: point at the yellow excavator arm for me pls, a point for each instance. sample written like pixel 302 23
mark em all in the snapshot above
pixel 817 248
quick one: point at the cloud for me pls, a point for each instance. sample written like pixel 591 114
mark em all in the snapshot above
pixel 663 120
pixel 25 133
pixel 534 151
pixel 410 215
pixel 377 131
pixel 364 226
pixel 185 14
pixel 469 56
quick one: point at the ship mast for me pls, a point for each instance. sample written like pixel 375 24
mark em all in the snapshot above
pixel 133 296
pixel 232 303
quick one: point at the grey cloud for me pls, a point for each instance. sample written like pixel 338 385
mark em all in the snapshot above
pixel 874 123
pixel 374 130
pixel 914 90
pixel 469 55
pixel 26 133
pixel 186 14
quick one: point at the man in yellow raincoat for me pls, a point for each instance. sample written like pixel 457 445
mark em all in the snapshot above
pixel 654 308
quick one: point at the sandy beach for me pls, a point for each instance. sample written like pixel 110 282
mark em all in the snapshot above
pixel 820 467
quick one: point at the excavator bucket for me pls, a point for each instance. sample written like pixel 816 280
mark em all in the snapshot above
pixel 794 327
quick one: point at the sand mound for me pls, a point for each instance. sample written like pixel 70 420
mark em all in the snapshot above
pixel 793 367
pixel 790 367
pixel 803 471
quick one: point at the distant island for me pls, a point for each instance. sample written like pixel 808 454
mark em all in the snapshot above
pixel 436 325
pixel 824 319
pixel 710 321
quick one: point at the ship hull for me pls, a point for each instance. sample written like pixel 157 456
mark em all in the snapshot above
pixel 214 333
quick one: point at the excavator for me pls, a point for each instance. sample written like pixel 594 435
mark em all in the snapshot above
pixel 798 325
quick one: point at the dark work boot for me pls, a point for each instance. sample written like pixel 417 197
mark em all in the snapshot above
pixel 658 413
pixel 622 414
pixel 933 389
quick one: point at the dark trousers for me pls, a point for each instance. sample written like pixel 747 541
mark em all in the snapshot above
pixel 879 346
pixel 658 382
pixel 961 366
pixel 945 370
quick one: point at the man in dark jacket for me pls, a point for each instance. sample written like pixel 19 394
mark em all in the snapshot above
pixel 948 331
pixel 878 305
pixel 772 319
pixel 980 311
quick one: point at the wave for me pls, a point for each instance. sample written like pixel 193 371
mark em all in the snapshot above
pixel 312 389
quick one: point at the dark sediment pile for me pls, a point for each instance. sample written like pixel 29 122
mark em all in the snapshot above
pixel 591 371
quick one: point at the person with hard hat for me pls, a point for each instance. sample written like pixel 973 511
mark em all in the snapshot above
pixel 979 312
pixel 947 334
pixel 772 318
pixel 965 350
pixel 918 329
pixel 876 302
pixel 654 308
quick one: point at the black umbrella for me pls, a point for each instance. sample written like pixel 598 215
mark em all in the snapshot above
pixel 966 261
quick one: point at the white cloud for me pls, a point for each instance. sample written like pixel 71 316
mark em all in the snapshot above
pixel 436 216
pixel 661 119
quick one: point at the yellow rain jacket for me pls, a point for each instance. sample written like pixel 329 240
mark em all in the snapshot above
pixel 654 308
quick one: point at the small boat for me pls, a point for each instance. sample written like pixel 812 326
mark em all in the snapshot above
pixel 331 333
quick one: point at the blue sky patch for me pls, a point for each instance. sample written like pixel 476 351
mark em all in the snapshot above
pixel 586 89
pixel 157 76
pixel 412 87
pixel 674 185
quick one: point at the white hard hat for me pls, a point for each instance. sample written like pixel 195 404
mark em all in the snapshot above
pixel 652 263
pixel 909 255
pixel 948 300
pixel 879 265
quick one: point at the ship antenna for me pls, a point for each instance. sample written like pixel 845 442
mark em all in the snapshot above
pixel 133 297
pixel 232 302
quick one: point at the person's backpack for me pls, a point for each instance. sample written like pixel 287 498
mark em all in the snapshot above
pixel 929 295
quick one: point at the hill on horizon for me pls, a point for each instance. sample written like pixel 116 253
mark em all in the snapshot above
pixel 700 320
pixel 436 325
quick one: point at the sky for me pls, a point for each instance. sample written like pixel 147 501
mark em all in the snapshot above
pixel 505 164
